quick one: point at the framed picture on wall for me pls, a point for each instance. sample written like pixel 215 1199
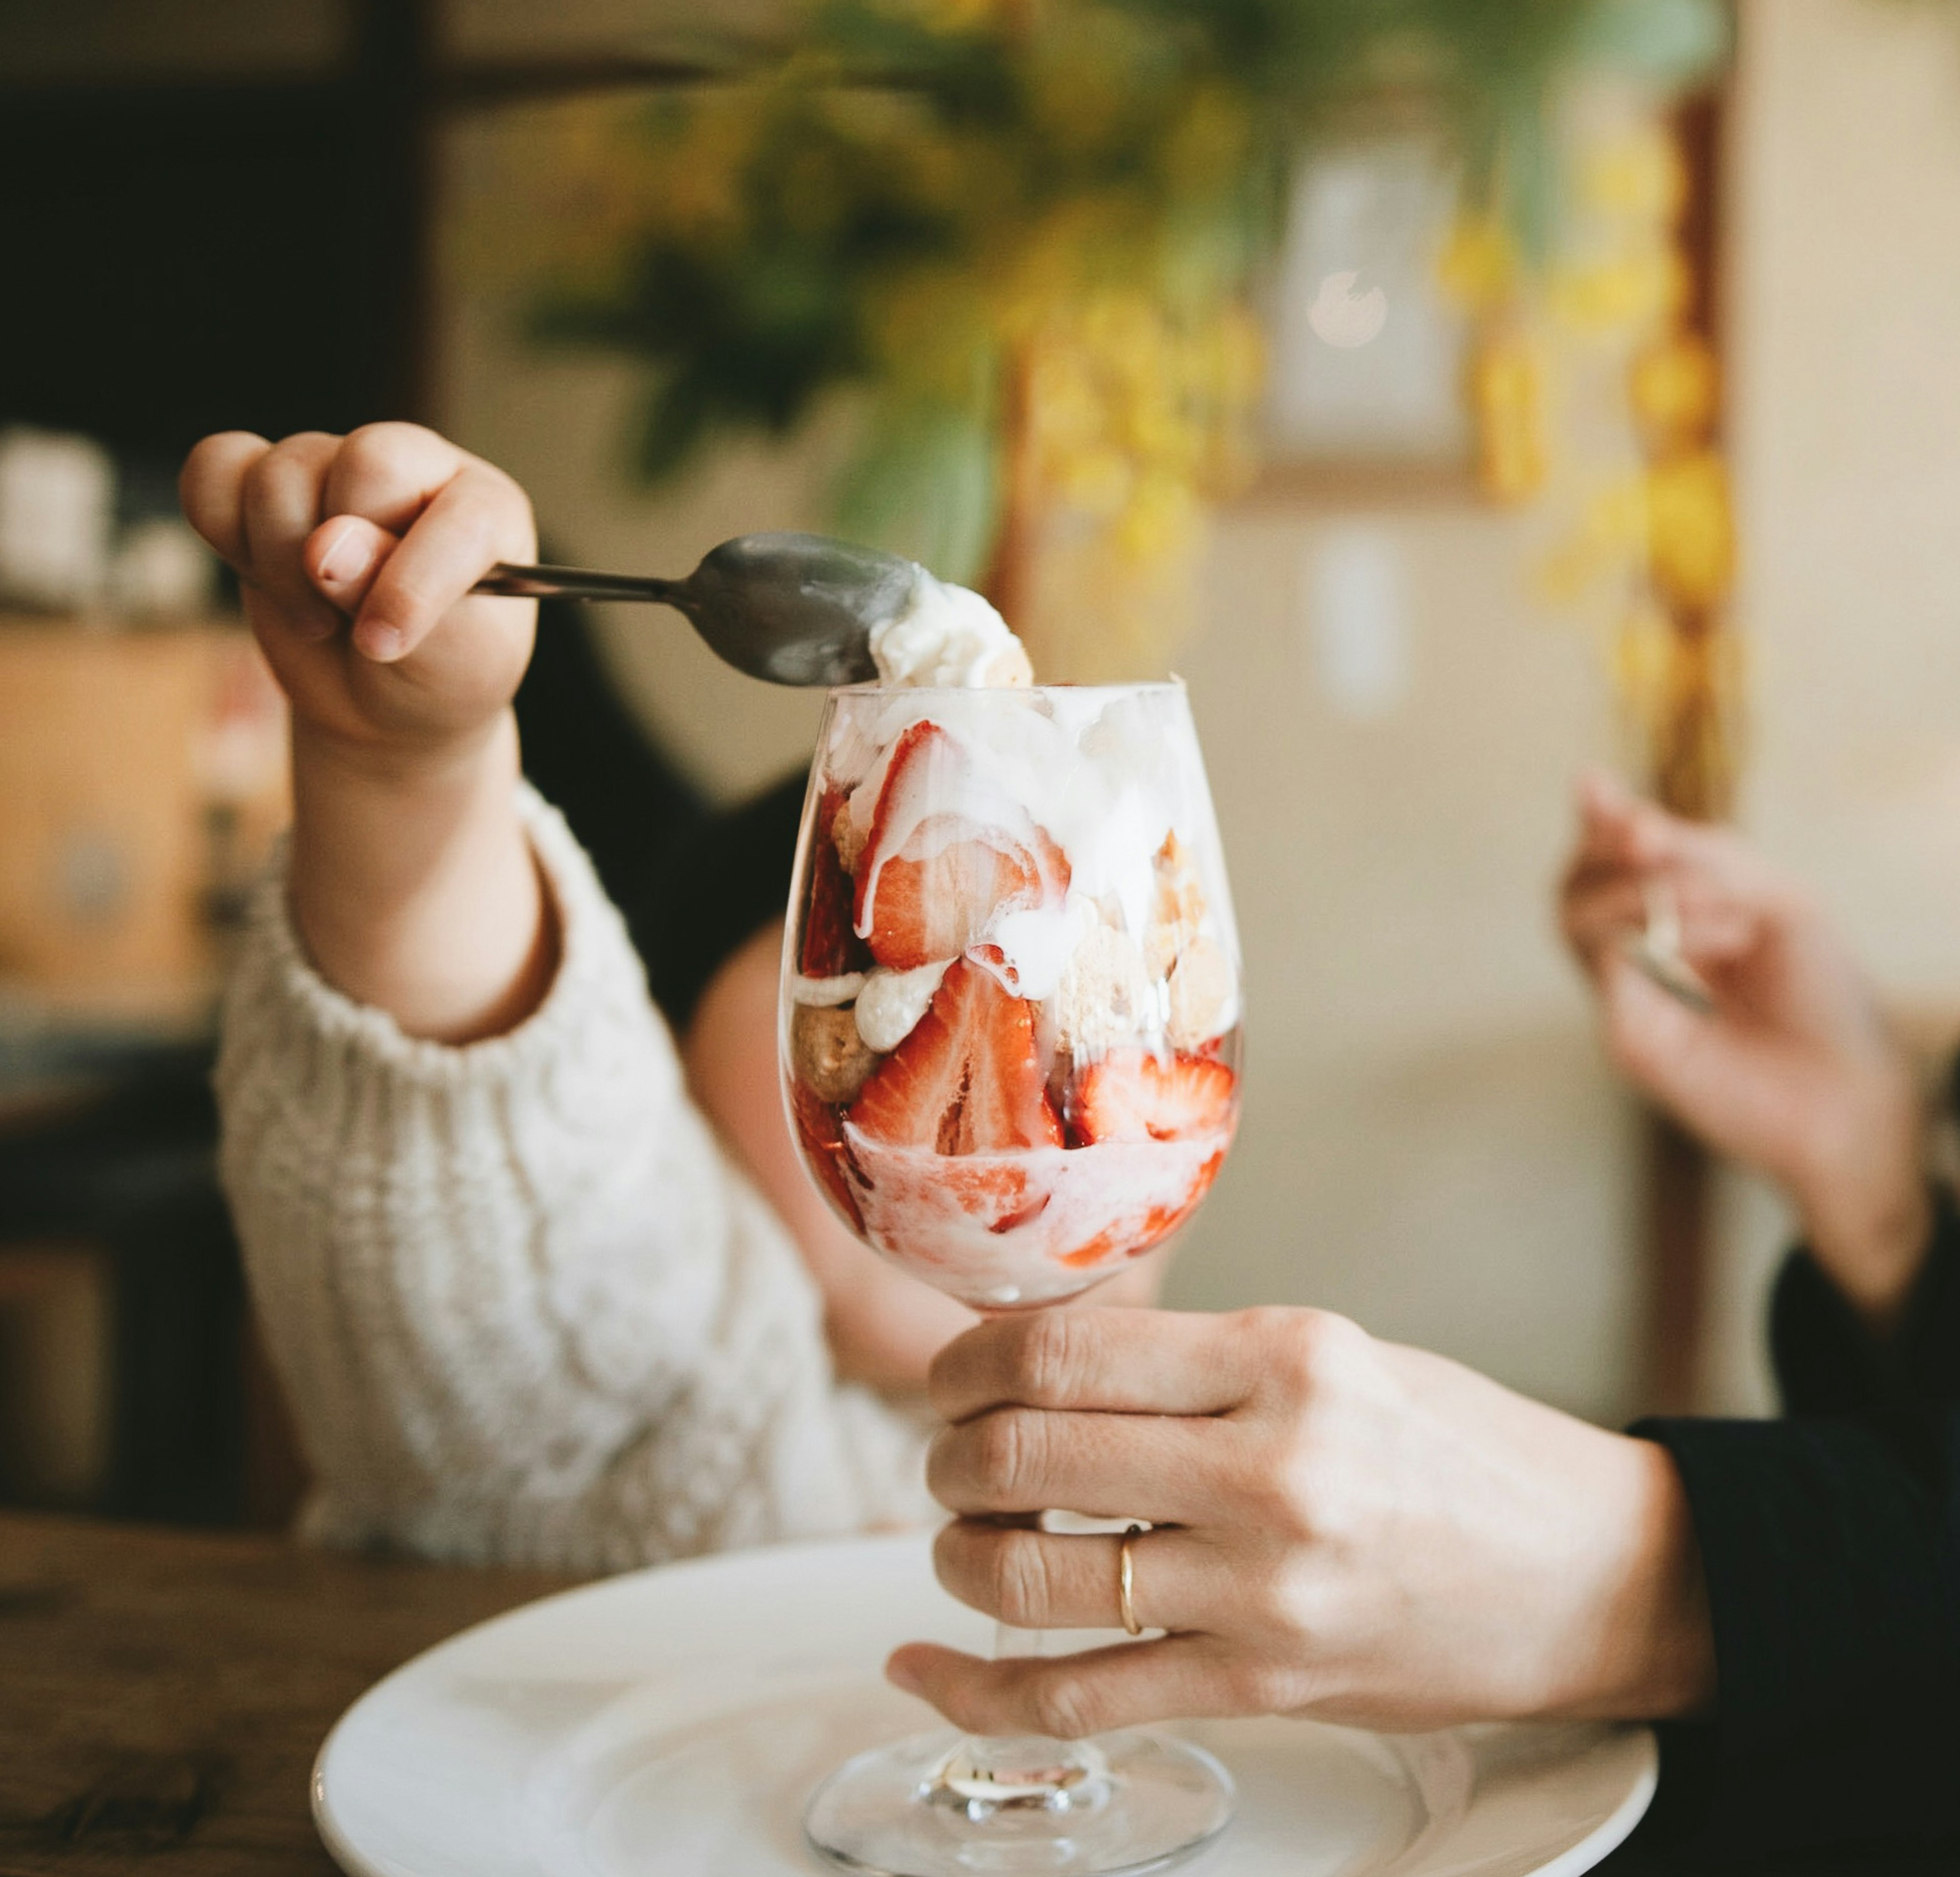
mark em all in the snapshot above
pixel 1368 355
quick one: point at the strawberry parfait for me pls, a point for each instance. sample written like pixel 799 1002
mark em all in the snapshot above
pixel 1011 1008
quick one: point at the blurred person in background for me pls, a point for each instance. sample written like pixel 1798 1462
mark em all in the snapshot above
pixel 1366 1533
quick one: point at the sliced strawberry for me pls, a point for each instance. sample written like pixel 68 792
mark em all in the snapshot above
pixel 1130 1095
pixel 968 1080
pixel 933 876
pixel 830 947
pixel 819 1129
pixel 936 907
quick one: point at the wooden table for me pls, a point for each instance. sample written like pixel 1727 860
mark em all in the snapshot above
pixel 162 1694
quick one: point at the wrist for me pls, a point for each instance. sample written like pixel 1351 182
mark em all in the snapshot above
pixel 1646 1646
pixel 329 764
pixel 1869 1228
pixel 375 820
pixel 412 886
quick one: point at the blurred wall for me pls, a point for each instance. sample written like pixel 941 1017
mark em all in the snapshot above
pixel 1431 1141
pixel 1844 322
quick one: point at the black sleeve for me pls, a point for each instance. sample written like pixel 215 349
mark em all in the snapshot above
pixel 1832 1554
pixel 694 881
pixel 1829 1362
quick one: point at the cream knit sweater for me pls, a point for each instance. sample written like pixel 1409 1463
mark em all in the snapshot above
pixel 524 1308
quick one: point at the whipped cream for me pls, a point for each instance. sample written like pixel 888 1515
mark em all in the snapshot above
pixel 1098 776
pixel 947 636
pixel 891 1003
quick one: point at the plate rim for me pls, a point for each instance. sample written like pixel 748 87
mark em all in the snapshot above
pixel 1604 1838
pixel 1613 1830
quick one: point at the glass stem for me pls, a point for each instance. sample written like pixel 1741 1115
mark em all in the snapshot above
pixel 1006 1757
pixel 1025 1770
pixel 1017 1759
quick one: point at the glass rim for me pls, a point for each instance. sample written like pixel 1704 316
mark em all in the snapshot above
pixel 874 687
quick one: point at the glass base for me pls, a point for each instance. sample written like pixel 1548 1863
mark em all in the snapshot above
pixel 940 1805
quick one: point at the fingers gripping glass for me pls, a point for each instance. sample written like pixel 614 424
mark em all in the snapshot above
pixel 1010 1031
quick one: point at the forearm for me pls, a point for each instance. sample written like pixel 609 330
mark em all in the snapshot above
pixel 413 886
pixel 1581 1538
pixel 1870 1233
pixel 1858 1182
pixel 1831 1358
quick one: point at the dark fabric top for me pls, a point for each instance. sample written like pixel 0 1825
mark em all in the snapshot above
pixel 1831 1541
pixel 693 880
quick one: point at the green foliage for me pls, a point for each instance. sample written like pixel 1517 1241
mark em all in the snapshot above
pixel 944 450
pixel 895 204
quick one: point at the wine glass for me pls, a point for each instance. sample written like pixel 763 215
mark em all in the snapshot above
pixel 1010 1034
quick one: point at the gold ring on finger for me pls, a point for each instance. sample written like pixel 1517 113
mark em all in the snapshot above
pixel 1126 1581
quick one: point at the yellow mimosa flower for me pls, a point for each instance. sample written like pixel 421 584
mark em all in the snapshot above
pixel 1627 292
pixel 1675 387
pixel 1507 392
pixel 1691 533
pixel 1639 175
pixel 1478 266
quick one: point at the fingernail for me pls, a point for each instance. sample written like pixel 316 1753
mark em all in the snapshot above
pixel 900 1676
pixel 347 557
pixel 383 644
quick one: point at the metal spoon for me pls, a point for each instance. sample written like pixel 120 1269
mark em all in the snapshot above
pixel 1655 948
pixel 792 608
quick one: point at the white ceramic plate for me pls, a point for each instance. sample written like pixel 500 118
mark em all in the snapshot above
pixel 675 1720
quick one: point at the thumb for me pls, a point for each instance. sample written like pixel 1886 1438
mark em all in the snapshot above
pixel 343 556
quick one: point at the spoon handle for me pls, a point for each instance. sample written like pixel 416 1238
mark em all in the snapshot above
pixel 575 583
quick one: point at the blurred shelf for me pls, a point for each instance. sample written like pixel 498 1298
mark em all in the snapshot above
pixel 54 1057
pixel 141 780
